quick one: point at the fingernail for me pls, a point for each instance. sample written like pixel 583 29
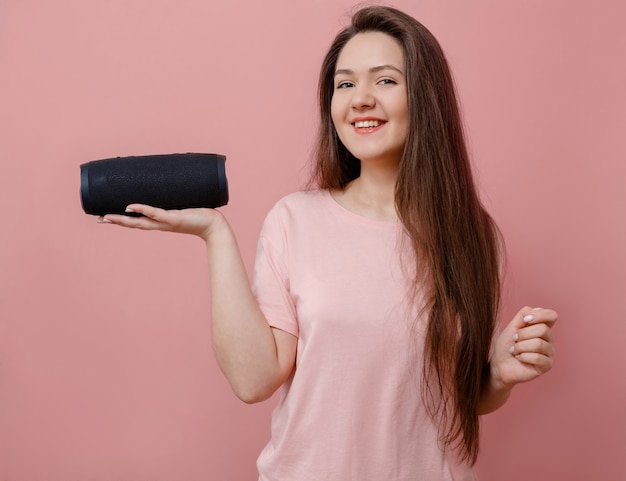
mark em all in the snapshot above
pixel 128 209
pixel 537 308
pixel 512 349
pixel 517 357
pixel 102 220
pixel 515 337
pixel 528 318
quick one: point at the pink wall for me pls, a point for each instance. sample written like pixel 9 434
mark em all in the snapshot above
pixel 106 371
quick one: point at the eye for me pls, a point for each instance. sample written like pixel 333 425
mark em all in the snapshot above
pixel 344 85
pixel 387 81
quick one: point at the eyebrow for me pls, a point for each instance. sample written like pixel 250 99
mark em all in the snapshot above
pixel 347 71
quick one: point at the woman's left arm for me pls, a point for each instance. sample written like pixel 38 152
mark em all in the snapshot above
pixel 523 351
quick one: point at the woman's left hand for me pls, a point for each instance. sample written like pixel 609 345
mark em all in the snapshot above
pixel 525 348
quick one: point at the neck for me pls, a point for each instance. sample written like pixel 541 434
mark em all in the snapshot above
pixel 372 194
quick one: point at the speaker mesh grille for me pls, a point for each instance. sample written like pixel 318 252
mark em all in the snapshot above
pixel 174 181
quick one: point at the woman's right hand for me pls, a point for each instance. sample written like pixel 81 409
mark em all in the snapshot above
pixel 198 222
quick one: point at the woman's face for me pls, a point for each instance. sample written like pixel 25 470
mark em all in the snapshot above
pixel 369 105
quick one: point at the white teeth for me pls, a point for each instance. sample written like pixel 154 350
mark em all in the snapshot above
pixel 367 123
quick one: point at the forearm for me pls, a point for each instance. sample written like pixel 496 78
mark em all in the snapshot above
pixel 244 344
pixel 255 358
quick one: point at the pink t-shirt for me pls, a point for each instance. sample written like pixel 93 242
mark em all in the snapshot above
pixel 352 410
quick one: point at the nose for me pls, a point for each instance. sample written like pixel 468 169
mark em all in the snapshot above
pixel 362 98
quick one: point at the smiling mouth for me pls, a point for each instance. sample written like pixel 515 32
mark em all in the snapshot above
pixel 367 123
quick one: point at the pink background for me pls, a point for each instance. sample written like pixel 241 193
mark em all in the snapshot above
pixel 106 370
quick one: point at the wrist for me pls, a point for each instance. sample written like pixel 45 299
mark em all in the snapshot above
pixel 495 393
pixel 214 228
pixel 217 232
pixel 496 383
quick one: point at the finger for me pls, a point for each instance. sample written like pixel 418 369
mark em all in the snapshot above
pixel 528 316
pixel 166 220
pixel 539 315
pixel 148 211
pixel 142 222
pixel 541 330
pixel 535 345
pixel 540 362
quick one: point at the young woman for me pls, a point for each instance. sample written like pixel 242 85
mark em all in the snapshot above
pixel 376 293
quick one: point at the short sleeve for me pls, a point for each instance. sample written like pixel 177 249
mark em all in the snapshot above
pixel 271 275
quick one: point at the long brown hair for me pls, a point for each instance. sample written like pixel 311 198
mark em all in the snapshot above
pixel 455 241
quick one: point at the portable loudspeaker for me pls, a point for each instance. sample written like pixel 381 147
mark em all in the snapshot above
pixel 172 181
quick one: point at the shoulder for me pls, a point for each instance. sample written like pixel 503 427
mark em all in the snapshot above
pixel 296 210
pixel 303 199
pixel 299 203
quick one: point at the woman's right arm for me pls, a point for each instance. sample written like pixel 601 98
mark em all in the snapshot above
pixel 255 358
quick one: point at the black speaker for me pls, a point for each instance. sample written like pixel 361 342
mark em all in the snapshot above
pixel 172 181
